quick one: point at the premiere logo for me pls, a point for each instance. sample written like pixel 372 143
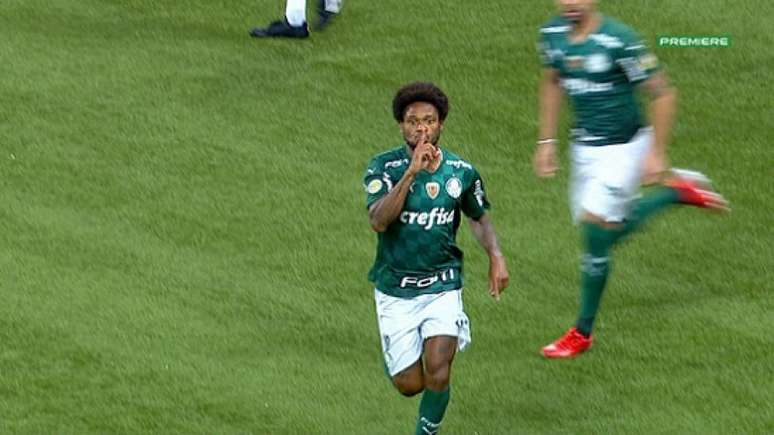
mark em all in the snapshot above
pixel 686 41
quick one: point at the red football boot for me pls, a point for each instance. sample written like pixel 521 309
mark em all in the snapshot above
pixel 695 189
pixel 569 345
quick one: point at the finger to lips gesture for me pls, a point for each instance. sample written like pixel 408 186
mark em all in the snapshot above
pixel 423 154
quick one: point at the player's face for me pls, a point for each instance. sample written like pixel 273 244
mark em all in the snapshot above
pixel 576 10
pixel 421 118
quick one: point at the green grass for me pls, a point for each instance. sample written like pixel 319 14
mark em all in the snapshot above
pixel 184 247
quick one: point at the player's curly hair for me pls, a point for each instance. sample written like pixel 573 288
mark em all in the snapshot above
pixel 420 91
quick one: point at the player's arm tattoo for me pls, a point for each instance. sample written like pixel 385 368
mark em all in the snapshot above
pixel 385 210
pixel 658 86
pixel 484 232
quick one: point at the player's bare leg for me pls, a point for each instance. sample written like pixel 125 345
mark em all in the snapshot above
pixel 439 353
pixel 410 381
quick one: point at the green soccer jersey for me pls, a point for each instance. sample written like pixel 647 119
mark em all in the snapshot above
pixel 417 253
pixel 599 75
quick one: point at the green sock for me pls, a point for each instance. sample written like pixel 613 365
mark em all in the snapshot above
pixel 647 206
pixel 594 270
pixel 598 242
pixel 431 410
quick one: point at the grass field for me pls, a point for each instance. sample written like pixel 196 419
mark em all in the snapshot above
pixel 184 246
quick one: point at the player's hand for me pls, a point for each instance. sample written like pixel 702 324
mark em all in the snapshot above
pixel 545 163
pixel 424 154
pixel 654 168
pixel 498 275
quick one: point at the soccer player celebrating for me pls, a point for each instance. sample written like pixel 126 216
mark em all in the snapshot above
pixel 599 63
pixel 415 194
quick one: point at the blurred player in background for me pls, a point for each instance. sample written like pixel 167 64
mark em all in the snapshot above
pixel 415 194
pixel 294 24
pixel 600 63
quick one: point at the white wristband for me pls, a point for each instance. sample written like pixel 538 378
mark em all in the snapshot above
pixel 547 141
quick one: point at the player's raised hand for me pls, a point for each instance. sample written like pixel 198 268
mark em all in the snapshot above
pixel 498 275
pixel 423 155
pixel 545 162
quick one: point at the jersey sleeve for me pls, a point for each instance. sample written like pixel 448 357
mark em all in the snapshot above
pixel 544 50
pixel 636 61
pixel 474 202
pixel 375 181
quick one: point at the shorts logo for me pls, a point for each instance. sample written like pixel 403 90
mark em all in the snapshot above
pixel 432 189
pixel 454 187
pixel 597 63
pixel 374 186
pixel 615 191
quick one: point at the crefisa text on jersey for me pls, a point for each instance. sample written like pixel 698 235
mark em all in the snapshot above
pixel 437 216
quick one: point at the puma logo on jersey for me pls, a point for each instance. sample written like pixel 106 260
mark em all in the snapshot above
pixel 437 216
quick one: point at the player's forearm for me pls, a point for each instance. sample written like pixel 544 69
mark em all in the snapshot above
pixel 550 105
pixel 662 114
pixel 483 231
pixel 387 209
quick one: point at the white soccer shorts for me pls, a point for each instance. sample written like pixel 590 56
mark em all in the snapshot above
pixel 605 180
pixel 404 324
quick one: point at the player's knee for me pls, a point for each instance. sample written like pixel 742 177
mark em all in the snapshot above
pixel 411 392
pixel 592 218
pixel 408 387
pixel 409 381
pixel 437 376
